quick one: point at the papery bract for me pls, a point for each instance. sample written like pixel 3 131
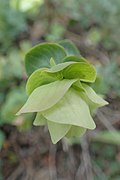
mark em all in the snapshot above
pixel 59 90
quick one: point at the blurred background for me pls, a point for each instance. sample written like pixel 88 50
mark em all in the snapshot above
pixel 26 152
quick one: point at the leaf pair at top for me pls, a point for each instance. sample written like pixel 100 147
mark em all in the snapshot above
pixel 40 55
pixel 68 70
pixel 60 94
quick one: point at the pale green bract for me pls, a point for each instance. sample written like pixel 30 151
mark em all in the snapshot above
pixel 46 96
pixel 58 90
pixel 71 109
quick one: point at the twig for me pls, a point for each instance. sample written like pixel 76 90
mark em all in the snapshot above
pixel 52 170
pixel 16 173
pixel 99 171
pixel 86 161
pixel 105 121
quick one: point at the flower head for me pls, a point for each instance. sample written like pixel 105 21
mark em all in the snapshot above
pixel 61 95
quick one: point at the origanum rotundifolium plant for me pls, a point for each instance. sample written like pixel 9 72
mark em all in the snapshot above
pixel 59 89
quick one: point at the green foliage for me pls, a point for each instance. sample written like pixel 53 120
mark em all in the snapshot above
pixel 105 159
pixel 25 5
pixel 110 137
pixel 14 100
pixel 60 96
pixel 13 61
pixel 105 9
pixel 2 138
pixel 12 69
pixel 103 84
pixel 102 26
pixel 12 24
pixel 56 32
pixel 12 95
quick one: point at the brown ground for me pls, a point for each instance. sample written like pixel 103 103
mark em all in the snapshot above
pixel 31 156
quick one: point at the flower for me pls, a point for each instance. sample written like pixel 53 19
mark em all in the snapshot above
pixel 62 97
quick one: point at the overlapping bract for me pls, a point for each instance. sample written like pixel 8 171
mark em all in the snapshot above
pixel 60 94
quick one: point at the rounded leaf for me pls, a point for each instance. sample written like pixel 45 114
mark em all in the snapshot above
pixel 40 55
pixel 41 77
pixel 60 67
pixel 74 59
pixel 70 47
pixel 83 71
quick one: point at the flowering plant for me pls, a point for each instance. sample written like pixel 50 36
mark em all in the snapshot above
pixel 59 89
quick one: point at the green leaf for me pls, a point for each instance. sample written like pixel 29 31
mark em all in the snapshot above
pixel 75 131
pixel 90 97
pixel 15 98
pixel 70 48
pixel 83 71
pixel 78 86
pixel 72 70
pixel 46 96
pixel 57 131
pixel 34 80
pixel 96 99
pixel 41 77
pixel 74 59
pixel 60 67
pixel 40 55
pixel 40 120
pixel 71 109
pixel 92 106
